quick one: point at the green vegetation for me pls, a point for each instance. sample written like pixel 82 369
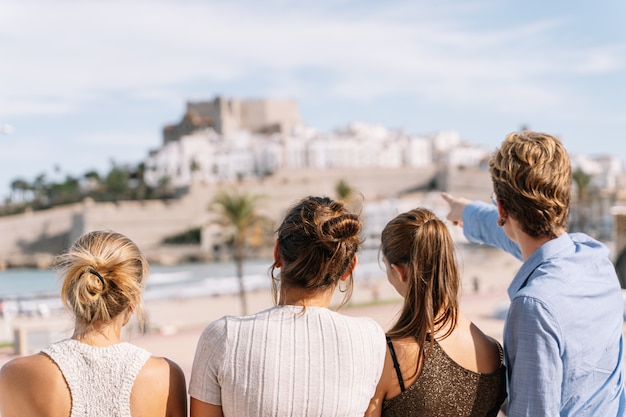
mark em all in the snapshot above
pixel 582 180
pixel 119 184
pixel 344 190
pixel 189 237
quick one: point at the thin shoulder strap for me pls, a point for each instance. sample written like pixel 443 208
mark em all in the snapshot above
pixel 500 351
pixel 396 365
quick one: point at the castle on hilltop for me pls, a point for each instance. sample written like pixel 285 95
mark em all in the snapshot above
pixel 225 116
pixel 231 139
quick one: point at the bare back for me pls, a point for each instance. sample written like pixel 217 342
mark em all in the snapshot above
pixel 469 347
pixel 466 347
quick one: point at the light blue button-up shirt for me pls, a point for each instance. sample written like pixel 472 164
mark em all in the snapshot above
pixel 563 340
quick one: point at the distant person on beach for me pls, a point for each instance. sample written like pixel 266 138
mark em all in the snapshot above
pixel 438 362
pixel 93 373
pixel 563 338
pixel 298 358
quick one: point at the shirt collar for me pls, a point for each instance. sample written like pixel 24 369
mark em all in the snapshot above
pixel 545 251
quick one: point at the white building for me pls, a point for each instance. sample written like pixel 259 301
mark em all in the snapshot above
pixel 207 156
pixel 202 156
pixel 465 155
pixel 444 141
pixel 605 170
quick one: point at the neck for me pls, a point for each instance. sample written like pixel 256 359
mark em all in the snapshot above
pixel 528 244
pixel 105 334
pixel 300 297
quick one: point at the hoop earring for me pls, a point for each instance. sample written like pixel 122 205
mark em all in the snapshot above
pixel 345 286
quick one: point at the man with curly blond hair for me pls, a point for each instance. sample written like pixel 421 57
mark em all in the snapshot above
pixel 563 339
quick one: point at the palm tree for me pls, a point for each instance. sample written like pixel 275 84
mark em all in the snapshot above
pixel 351 198
pixel 238 212
pixel 40 188
pixel 20 185
pixel 343 190
pixel 582 181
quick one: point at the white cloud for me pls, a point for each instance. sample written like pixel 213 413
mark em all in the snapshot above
pixel 76 50
pixel 601 60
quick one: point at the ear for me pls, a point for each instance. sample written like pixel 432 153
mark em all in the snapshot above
pixel 502 213
pixel 400 270
pixel 277 262
pixel 353 264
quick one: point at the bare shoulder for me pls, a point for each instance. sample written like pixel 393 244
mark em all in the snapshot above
pixel 160 367
pixel 34 367
pixel 488 350
pixel 160 387
pixel 406 352
pixel 471 348
pixel 34 385
pixel 155 375
pixel 405 349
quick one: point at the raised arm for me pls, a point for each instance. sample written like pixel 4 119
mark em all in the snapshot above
pixel 457 205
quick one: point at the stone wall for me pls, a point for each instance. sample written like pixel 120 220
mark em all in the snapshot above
pixel 32 239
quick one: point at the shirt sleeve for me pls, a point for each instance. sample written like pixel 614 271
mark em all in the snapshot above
pixel 480 225
pixel 211 351
pixel 535 367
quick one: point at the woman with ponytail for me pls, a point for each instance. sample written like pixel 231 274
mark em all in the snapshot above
pixel 94 373
pixel 438 362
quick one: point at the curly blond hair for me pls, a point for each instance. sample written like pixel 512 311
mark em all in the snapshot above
pixel 532 179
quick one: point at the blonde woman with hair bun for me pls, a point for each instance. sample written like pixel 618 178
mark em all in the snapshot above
pixel 94 373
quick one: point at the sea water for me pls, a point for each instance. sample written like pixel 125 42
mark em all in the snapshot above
pixel 30 290
pixel 163 281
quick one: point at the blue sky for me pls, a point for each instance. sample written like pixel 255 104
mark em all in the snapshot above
pixel 85 84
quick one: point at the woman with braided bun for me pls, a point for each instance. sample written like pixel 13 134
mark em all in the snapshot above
pixel 298 358
pixel 94 373
pixel 438 362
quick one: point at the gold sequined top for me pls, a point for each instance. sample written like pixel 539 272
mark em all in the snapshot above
pixel 446 389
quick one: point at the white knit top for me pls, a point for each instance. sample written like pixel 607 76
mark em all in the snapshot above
pixel 280 362
pixel 100 379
